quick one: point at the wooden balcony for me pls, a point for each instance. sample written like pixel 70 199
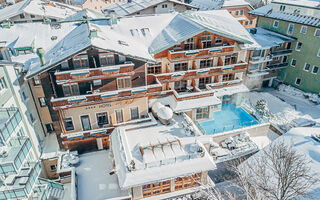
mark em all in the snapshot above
pixel 225 83
pixel 112 71
pixel 192 94
pixel 67 102
pixel 180 53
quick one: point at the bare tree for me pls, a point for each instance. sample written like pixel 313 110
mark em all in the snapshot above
pixel 278 172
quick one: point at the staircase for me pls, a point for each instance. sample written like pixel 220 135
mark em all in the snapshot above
pixel 55 190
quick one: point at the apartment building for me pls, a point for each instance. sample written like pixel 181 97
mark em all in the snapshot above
pixel 36 11
pixel 99 83
pixel 298 19
pixel 267 60
pixel 238 8
pixel 147 7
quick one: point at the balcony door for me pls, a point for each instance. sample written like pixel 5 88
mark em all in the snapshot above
pixel 85 121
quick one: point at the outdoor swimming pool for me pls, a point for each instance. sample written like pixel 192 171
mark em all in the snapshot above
pixel 229 118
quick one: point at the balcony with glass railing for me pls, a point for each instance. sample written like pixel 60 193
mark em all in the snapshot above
pixel 21 185
pixel 13 157
pixel 9 120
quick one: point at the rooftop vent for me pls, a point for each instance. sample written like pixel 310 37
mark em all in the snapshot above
pixel 40 53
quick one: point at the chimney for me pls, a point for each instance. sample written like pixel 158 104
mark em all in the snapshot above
pixel 253 31
pixel 40 53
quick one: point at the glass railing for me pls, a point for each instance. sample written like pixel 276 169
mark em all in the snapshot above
pixel 13 119
pixel 50 183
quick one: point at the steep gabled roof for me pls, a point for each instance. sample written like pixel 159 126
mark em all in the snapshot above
pixel 218 4
pixel 139 37
pixel 125 8
pixel 189 24
pixel 268 11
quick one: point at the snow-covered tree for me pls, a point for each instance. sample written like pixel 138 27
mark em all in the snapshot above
pixel 262 108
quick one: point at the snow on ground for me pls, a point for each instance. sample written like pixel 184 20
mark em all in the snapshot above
pixel 263 141
pixel 94 180
pixel 284 115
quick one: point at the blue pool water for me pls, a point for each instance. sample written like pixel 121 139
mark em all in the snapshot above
pixel 229 118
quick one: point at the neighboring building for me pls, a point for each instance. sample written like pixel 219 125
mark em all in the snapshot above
pixel 298 19
pixel 268 59
pixel 143 7
pixel 96 5
pixel 36 11
pixel 238 8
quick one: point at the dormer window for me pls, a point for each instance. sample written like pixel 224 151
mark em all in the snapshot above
pixel 106 59
pixel 80 62
pixel 206 39
pixel 282 8
pixel 189 44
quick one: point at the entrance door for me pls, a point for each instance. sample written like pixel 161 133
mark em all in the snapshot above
pixel 85 123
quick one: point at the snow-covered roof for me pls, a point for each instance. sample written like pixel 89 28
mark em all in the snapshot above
pixel 236 3
pixel 152 154
pixel 268 11
pixel 38 7
pixel 125 8
pixel 218 4
pixel 230 90
pixel 140 37
pixel 267 39
pixel 36 34
pixel 303 3
pixel 302 141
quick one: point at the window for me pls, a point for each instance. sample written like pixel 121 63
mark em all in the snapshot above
pixel 293 62
pixel 164 6
pixel 22 16
pixel 97 82
pixel 102 119
pixel 53 167
pixel 237 12
pixel 251 22
pixel 288 45
pixel 32 16
pixel 231 59
pixel 71 90
pixel 318 54
pixel 218 40
pixel 134 113
pixel 317 33
pixel 202 113
pixel 290 29
pixel 298 81
pixel 156 188
pixel 154 68
pixel 32 118
pixel 85 121
pixel 106 59
pixel 315 69
pixel 181 183
pixel 182 66
pixel 124 82
pixel 180 86
pixel 24 95
pixel 49 128
pixel 80 62
pixel 303 29
pixel 246 23
pixel 299 46
pixel 203 82
pixel 227 77
pixel 36 80
pixel 204 63
pixel 3 84
pixel 119 116
pixel 68 124
pixel 306 67
pixel 206 39
pixel 42 102
pixel 189 44
pixel 258 53
pixel 284 59
pixel 276 24
pixel 241 12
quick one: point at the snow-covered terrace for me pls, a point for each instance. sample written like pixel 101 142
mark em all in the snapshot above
pixel 156 153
